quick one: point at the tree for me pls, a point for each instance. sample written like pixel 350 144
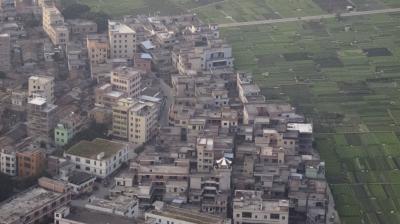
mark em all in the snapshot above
pixel 66 3
pixel 75 11
pixel 100 18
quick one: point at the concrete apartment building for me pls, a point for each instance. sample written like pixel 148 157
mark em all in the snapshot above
pixel 54 26
pixel 99 157
pixel 211 189
pixel 126 80
pixel 73 215
pixel 8 161
pixel 105 96
pixel 119 206
pixel 120 118
pixel 122 40
pixel 67 128
pixel 167 214
pixel 248 91
pixel 135 121
pixel 82 27
pixel 19 100
pixel 205 154
pixel 41 119
pixel 31 162
pixel 41 86
pixel 143 119
pixel 98 49
pixel 5 52
pixel 168 177
pixel 36 204
pixel 250 207
pixel 212 55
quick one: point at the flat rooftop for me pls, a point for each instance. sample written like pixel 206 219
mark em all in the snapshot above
pixel 120 203
pixel 119 27
pixel 89 216
pixel 301 127
pixel 39 101
pixel 11 211
pixel 90 149
pixel 187 215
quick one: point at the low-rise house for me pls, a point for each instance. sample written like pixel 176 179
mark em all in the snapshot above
pixel 119 206
pixel 82 27
pixel 80 182
pixel 73 215
pixel 250 207
pixel 164 214
pixel 105 96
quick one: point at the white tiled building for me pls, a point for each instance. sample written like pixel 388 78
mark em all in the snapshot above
pixel 8 161
pixel 99 157
pixel 41 86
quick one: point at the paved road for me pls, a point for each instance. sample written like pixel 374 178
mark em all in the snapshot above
pixel 167 90
pixel 308 18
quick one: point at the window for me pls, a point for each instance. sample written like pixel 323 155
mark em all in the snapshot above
pixel 246 214
pixel 274 216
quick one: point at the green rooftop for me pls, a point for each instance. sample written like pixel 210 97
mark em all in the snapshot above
pixel 90 149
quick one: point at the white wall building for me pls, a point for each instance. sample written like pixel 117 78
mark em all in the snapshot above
pixel 41 86
pixel 8 161
pixel 99 157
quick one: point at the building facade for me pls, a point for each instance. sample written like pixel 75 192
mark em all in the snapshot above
pixel 99 157
pixel 67 128
pixel 250 207
pixel 41 86
pixel 5 52
pixel 8 161
pixel 31 162
pixel 122 40
pixel 98 49
pixel 41 119
pixel 135 121
pixel 35 205
pixel 126 80
pixel 54 26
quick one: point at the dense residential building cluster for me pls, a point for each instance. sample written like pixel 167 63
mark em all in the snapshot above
pixel 149 122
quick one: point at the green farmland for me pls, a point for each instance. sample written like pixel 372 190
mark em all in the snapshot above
pixel 226 11
pixel 344 76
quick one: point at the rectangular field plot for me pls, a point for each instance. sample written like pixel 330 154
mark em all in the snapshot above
pixel 347 84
